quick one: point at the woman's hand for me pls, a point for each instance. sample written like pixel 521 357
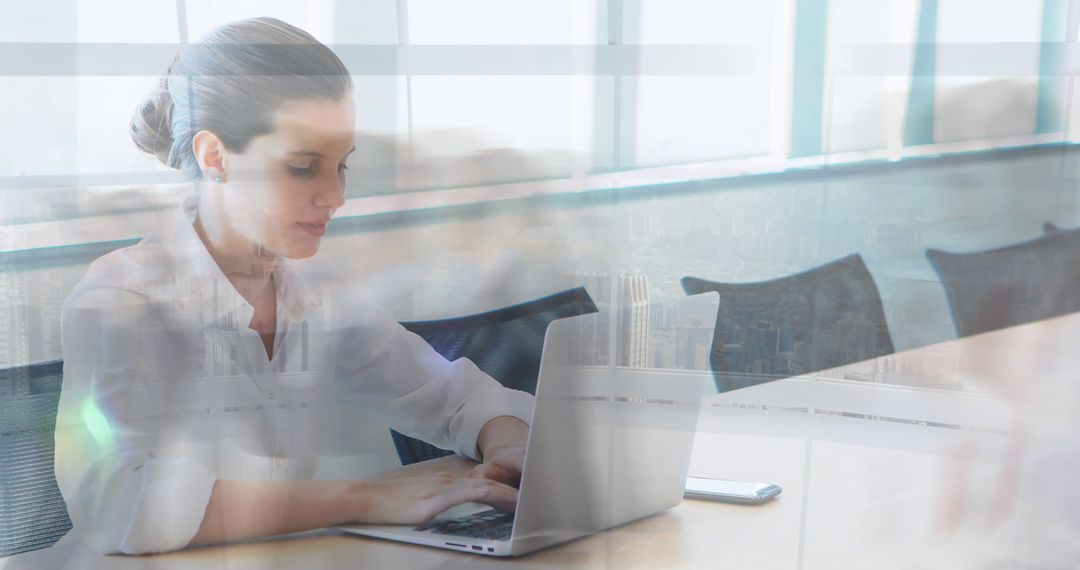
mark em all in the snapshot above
pixel 240 510
pixel 415 500
pixel 503 465
pixel 502 445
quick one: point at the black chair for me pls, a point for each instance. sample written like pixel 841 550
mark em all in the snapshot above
pixel 1011 285
pixel 505 343
pixel 1050 228
pixel 817 319
pixel 33 514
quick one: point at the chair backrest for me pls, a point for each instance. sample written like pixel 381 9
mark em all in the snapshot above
pixel 1011 285
pixel 33 514
pixel 505 343
pixel 817 319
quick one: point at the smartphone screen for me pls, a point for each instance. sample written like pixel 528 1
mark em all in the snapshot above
pixel 737 491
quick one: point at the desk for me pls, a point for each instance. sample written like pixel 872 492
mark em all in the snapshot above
pixel 867 470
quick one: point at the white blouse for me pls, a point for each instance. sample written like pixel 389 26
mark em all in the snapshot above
pixel 166 389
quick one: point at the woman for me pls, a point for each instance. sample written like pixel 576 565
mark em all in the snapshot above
pixel 201 364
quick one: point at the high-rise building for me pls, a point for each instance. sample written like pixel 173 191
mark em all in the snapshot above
pixel 764 345
pixel 595 340
pixel 633 304
pixel 14 349
pixel 626 297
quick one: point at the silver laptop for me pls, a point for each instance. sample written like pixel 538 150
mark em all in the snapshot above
pixel 617 404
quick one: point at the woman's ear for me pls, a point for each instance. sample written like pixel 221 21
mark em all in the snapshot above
pixel 210 153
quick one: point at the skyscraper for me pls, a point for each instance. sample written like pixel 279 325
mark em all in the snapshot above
pixel 633 304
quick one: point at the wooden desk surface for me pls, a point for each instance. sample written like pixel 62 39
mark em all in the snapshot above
pixel 861 490
pixel 692 527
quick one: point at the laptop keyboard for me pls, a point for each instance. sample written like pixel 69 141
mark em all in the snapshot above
pixel 492 525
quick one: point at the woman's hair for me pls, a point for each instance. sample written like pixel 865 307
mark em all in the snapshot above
pixel 231 83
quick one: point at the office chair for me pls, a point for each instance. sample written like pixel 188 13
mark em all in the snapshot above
pixel 505 343
pixel 33 514
pixel 817 319
pixel 1012 285
pixel 1050 228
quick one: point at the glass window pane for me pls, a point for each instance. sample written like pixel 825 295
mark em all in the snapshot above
pixel 315 17
pixel 71 125
pixel 866 111
pixel 689 118
pixel 365 22
pixel 502 22
pixel 381 104
pixel 47 119
pixel 382 134
pixel 39 21
pixel 103 118
pixel 994 21
pixel 684 119
pixel 1072 122
pixel 976 108
pixel 519 112
pixel 549 117
pixel 704 22
pixel 128 21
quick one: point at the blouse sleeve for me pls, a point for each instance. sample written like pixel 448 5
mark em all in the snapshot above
pixel 397 377
pixel 121 493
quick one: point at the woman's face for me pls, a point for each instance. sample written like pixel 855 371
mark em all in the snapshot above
pixel 283 189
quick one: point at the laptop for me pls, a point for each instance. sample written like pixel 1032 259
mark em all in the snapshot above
pixel 616 409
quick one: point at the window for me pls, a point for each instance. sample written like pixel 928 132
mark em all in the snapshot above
pixel 313 16
pixel 500 127
pixel 677 119
pixel 80 120
pixel 713 87
pixel 987 106
pixel 865 104
pixel 529 113
pixel 558 22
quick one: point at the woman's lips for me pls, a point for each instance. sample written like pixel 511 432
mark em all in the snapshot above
pixel 315 230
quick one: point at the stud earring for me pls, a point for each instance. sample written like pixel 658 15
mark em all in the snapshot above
pixel 218 180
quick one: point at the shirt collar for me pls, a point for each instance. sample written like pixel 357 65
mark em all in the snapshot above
pixel 204 290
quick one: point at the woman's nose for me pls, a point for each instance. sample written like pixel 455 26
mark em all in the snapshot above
pixel 331 194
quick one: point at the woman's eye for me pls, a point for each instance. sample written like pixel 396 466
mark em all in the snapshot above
pixel 301 171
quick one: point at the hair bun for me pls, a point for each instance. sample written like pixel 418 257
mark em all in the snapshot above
pixel 151 125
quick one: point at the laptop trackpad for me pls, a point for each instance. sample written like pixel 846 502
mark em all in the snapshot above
pixel 462 510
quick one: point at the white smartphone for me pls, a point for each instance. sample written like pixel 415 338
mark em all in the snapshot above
pixel 730 491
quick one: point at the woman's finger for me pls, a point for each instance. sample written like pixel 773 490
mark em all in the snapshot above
pixel 497 495
pixel 506 474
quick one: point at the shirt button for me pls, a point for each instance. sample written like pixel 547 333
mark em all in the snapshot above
pixel 269 394
pixel 279 458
